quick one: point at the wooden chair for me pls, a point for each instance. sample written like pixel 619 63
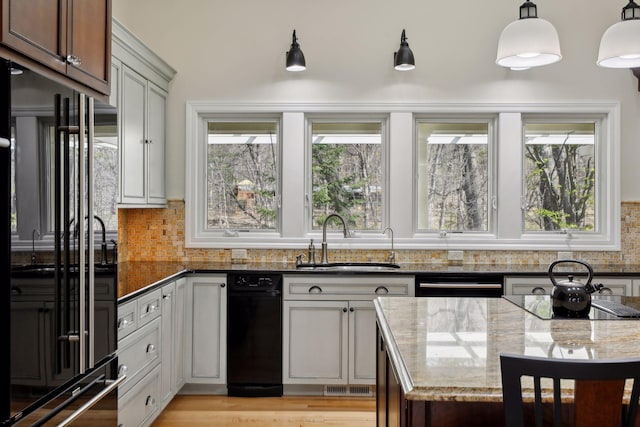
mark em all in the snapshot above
pixel 598 393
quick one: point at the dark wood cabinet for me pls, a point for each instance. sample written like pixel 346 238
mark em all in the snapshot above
pixel 391 406
pixel 71 37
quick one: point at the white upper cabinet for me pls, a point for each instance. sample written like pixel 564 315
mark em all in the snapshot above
pixel 144 81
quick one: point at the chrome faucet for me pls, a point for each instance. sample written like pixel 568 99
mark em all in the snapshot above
pixel 345 232
pixel 33 244
pixel 392 254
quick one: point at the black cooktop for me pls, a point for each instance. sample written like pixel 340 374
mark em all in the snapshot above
pixel 540 306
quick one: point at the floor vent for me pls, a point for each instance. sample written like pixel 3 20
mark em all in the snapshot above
pixel 348 390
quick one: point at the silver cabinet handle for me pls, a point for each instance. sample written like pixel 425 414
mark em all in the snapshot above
pixel 122 370
pixel 122 323
pixel 74 60
pixel 381 290
pixel 4 142
pixel 605 291
pixel 150 401
pixel 167 296
pixel 538 291
pixel 315 289
pixel 151 308
pixel 151 348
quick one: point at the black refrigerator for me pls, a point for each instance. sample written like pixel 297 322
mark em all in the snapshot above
pixel 59 302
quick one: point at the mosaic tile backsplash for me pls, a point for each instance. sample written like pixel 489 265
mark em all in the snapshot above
pixel 158 234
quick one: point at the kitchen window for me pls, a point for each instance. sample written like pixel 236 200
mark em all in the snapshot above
pixel 242 175
pixel 560 171
pixel 476 176
pixel 454 175
pixel 347 171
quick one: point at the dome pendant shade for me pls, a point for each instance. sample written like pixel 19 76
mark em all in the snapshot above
pixel 295 57
pixel 620 44
pixel 527 43
pixel 403 58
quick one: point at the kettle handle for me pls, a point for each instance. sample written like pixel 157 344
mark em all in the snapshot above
pixel 560 261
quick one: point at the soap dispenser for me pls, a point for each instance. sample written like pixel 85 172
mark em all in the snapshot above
pixel 312 253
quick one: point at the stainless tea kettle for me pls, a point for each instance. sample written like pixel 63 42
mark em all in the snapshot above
pixel 571 298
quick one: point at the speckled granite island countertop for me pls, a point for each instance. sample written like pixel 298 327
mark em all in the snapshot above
pixel 447 349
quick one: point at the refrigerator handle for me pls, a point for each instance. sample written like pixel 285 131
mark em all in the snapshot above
pixel 95 399
pixel 91 234
pixel 80 224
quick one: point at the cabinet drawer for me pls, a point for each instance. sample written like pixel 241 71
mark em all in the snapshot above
pixel 149 307
pixel 346 287
pixel 140 405
pixel 139 352
pixel 127 318
pixel 530 285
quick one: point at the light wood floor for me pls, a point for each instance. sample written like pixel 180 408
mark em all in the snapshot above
pixel 213 411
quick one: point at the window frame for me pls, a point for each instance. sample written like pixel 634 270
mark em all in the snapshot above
pixel 383 120
pixel 492 146
pixel 506 234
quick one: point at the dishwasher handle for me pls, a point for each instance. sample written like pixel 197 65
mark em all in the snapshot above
pixel 459 285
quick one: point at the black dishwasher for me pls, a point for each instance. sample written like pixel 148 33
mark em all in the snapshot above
pixel 459 285
pixel 254 334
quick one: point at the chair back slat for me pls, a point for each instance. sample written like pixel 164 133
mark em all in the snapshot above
pixel 598 391
pixel 557 403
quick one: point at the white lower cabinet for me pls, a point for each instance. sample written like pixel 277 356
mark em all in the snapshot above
pixel 140 405
pixel 172 374
pixel 206 330
pixel 329 334
pixel 316 339
pixel 150 347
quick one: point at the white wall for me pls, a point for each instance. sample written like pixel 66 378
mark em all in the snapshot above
pixel 234 50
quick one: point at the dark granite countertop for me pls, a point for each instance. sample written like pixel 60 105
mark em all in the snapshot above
pixel 140 276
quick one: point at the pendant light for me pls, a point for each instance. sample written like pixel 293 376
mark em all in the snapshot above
pixel 295 57
pixel 403 58
pixel 528 42
pixel 620 44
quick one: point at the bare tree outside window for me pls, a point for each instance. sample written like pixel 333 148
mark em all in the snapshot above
pixel 346 169
pixel 560 175
pixel 453 176
pixel 242 175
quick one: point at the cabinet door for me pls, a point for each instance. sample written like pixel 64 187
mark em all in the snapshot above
pixel 362 342
pixel 157 99
pixel 315 342
pixel 166 343
pixel 178 334
pixel 133 147
pixel 206 328
pixel 89 42
pixel 28 327
pixel 37 28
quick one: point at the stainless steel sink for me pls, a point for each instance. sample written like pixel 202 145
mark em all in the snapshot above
pixel 349 266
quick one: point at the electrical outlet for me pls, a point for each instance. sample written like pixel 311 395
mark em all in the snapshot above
pixel 455 255
pixel 238 253
pixel 565 255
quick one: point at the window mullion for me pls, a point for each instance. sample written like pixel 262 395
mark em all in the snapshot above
pixel 293 170
pixel 509 176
